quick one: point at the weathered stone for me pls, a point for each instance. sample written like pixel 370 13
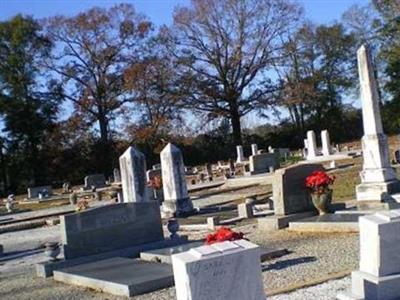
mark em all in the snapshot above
pixel 176 197
pixel 379 273
pixel 378 179
pixel 311 145
pixel 245 210
pixel 261 163
pixel 326 143
pixel 109 228
pixel 34 192
pixel 227 270
pixel 117 175
pixel 290 194
pixel 254 149
pixel 133 175
pixel 95 180
pixel 240 155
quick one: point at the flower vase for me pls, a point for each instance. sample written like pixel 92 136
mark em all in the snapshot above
pixel 322 201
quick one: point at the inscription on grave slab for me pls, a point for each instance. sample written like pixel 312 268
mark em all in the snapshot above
pixel 110 227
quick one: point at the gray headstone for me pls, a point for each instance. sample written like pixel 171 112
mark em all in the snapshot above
pixel 133 175
pixel 110 227
pixel 34 192
pixel 290 194
pixel 96 180
pixel 117 175
pixel 176 197
pixel 261 163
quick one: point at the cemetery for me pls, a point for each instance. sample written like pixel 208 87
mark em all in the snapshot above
pixel 173 216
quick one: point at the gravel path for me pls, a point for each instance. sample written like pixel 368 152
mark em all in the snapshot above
pixel 312 256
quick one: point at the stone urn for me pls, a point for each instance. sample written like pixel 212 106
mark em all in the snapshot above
pixel 322 201
pixel 173 227
pixel 52 250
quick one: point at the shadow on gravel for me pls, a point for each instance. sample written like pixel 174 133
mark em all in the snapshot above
pixel 18 254
pixel 279 265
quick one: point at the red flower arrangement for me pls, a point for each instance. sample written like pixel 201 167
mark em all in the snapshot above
pixel 318 182
pixel 223 234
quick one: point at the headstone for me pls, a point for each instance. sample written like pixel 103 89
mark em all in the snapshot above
pixel 397 156
pixel 379 273
pixel 270 149
pixel 245 210
pixel 96 180
pixel 290 194
pixel 261 163
pixel 209 172
pixel 227 270
pixel 254 149
pixel 34 192
pixel 326 143
pixel 117 175
pixel 212 222
pixel 240 155
pixel 110 227
pixel 312 145
pixel 378 179
pixel 133 175
pixel 176 196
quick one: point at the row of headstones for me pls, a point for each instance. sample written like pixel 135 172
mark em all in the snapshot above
pixel 133 178
pixel 310 144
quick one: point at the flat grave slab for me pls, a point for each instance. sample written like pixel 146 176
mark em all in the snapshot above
pixel 328 223
pixel 119 276
pixel 164 255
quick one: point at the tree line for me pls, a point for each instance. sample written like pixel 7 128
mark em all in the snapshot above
pixel 76 91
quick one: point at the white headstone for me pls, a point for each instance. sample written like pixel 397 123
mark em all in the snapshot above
pixel 254 149
pixel 312 145
pixel 227 270
pixel 378 179
pixel 176 197
pixel 133 175
pixel 379 273
pixel 326 143
pixel 240 155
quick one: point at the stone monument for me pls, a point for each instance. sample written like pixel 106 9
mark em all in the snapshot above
pixel 254 149
pixel 176 196
pixel 117 175
pixel 133 175
pixel 311 145
pixel 379 274
pixel 240 155
pixel 326 143
pixel 227 270
pixel 378 179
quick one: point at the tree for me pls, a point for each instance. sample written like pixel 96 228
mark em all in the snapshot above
pixel 93 49
pixel 27 103
pixel 225 49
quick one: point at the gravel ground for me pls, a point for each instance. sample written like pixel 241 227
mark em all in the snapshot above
pixel 312 256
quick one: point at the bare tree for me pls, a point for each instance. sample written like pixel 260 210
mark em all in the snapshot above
pixel 225 49
pixel 93 49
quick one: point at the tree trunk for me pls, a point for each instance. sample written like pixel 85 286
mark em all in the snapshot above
pixel 235 122
pixel 105 149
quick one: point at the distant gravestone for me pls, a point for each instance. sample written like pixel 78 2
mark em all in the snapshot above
pixel 133 175
pixel 254 149
pixel 289 191
pixel 96 180
pixel 240 155
pixel 109 228
pixel 157 193
pixel 311 145
pixel 34 192
pixel 176 196
pixel 227 270
pixel 261 163
pixel 117 175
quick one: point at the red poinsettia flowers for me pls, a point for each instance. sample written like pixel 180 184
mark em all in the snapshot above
pixel 318 182
pixel 223 234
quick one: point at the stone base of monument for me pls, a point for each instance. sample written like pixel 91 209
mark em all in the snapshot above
pixel 164 255
pixel 276 222
pixel 46 269
pixel 119 276
pixel 327 223
pixel 366 286
pixel 379 191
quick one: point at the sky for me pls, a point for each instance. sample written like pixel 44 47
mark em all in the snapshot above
pixel 160 12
